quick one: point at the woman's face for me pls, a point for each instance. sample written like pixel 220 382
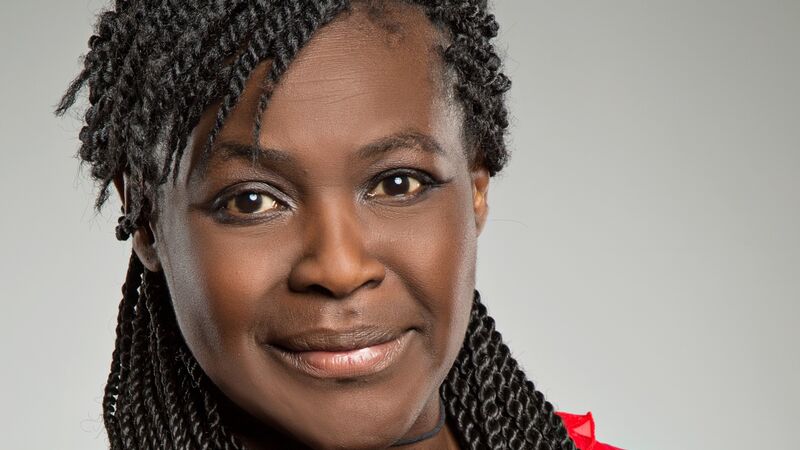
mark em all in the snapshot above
pixel 325 285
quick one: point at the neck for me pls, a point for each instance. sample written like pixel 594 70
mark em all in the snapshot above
pixel 444 440
pixel 428 434
pixel 255 435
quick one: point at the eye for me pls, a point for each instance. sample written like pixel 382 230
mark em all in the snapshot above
pixel 397 185
pixel 250 203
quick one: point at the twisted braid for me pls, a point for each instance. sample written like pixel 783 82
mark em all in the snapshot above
pixel 481 87
pixel 121 347
pixel 164 401
pixel 490 400
pixel 207 57
pixel 152 68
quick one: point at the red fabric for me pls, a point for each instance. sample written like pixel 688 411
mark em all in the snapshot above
pixel 581 430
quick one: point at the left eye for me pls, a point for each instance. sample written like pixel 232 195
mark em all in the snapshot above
pixel 248 203
pixel 396 186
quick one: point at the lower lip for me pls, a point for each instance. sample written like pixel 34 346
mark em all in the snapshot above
pixel 348 364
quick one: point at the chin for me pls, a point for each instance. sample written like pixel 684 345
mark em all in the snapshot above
pixel 359 412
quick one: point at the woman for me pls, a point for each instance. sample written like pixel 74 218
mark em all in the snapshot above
pixel 304 183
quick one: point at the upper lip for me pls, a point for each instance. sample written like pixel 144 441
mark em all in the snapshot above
pixel 329 340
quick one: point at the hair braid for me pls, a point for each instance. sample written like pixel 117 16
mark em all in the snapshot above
pixel 180 392
pixel 135 421
pixel 170 384
pixel 156 404
pixel 208 59
pixel 484 396
pixel 122 346
pixel 152 68
pixel 481 86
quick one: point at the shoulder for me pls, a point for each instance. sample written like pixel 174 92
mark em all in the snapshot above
pixel 581 430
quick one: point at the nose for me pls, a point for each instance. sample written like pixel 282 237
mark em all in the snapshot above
pixel 336 262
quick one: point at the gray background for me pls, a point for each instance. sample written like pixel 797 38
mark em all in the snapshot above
pixel 642 257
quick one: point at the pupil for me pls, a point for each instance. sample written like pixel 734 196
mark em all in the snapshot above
pixel 248 203
pixel 396 186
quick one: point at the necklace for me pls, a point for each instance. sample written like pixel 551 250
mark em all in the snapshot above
pixel 428 434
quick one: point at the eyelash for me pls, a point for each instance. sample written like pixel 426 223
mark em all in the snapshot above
pixel 219 206
pixel 426 181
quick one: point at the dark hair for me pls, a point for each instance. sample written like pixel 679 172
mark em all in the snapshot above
pixel 152 69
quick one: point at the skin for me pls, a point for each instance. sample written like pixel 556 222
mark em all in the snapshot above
pixel 335 252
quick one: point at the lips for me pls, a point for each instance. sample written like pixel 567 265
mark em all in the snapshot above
pixel 342 354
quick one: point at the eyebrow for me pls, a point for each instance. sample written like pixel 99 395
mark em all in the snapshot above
pixel 266 157
pixel 409 139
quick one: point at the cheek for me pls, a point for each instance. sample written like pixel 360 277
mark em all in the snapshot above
pixel 221 285
pixel 432 250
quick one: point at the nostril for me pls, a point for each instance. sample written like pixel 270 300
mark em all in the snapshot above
pixel 324 291
pixel 372 284
pixel 321 290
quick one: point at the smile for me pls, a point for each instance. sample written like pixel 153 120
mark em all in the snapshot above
pixel 343 355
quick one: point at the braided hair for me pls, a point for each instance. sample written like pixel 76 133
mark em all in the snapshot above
pixel 153 67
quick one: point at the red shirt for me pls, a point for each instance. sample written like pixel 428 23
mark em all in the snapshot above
pixel 581 430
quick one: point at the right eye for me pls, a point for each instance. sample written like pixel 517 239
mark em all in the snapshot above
pixel 398 185
pixel 250 203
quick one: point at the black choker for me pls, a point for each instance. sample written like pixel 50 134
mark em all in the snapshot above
pixel 429 434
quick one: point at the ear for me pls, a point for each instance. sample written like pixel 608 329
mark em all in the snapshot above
pixel 480 190
pixel 144 244
pixel 144 239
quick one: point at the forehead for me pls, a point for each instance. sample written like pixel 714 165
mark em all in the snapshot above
pixel 363 76
pixel 358 53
